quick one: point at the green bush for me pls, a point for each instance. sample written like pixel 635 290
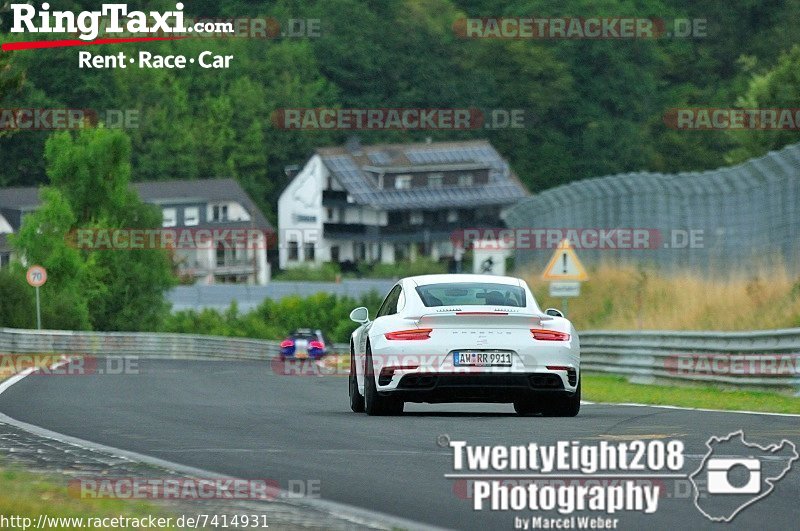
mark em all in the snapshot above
pixel 421 266
pixel 275 319
pixel 324 273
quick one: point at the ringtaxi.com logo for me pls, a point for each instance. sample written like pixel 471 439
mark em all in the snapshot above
pixel 88 26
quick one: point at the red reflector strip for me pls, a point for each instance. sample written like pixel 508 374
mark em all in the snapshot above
pixel 481 313
pixel 400 368
pixel 557 368
pixel 549 335
pixel 409 335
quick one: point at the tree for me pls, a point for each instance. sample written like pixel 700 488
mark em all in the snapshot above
pixel 109 289
pixel 778 88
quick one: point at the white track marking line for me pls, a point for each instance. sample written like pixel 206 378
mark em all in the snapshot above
pixel 355 515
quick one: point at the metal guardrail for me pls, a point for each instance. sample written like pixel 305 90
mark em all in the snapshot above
pixel 761 359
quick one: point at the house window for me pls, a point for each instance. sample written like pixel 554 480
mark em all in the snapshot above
pixel 5 259
pixel 170 217
pixel 465 179
pixel 361 251
pixel 416 218
pixel 191 216
pixel 435 180
pixel 308 252
pixel 219 213
pixel 221 255
pixel 294 252
pixel 330 214
pixel 402 182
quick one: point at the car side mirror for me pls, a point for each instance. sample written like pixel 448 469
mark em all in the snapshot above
pixel 360 315
pixel 552 312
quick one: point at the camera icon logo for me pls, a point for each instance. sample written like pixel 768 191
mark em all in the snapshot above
pixel 719 476
pixel 735 474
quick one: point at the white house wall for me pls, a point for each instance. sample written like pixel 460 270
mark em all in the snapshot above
pixel 300 212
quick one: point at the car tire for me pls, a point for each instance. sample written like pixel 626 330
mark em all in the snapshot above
pixel 376 404
pixel 568 406
pixel 356 399
pixel 526 407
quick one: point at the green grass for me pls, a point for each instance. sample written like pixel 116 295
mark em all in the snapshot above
pixel 616 389
pixel 29 495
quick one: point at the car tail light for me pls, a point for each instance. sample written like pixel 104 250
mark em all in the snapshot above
pixel 410 335
pixel 549 335
pixel 317 345
pixel 287 343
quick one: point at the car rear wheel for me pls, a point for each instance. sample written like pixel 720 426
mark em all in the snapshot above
pixel 549 406
pixel 376 404
pixel 564 406
pixel 356 399
pixel 526 407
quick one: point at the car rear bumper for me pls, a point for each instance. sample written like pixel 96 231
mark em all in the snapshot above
pixel 480 387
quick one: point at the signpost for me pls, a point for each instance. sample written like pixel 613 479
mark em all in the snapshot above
pixel 37 276
pixel 565 273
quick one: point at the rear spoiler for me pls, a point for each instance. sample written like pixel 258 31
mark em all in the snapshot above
pixel 464 315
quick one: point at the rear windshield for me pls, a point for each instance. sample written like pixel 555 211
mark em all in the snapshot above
pixel 310 336
pixel 471 294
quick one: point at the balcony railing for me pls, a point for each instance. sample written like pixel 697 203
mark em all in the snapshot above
pixel 334 198
pixel 344 229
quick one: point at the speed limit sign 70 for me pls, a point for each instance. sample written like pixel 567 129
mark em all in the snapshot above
pixel 37 276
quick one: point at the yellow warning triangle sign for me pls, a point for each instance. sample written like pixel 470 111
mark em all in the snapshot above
pixel 565 265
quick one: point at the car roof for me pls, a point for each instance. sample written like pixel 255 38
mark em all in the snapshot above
pixel 423 280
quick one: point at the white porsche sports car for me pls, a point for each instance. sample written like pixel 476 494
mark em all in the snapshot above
pixel 464 338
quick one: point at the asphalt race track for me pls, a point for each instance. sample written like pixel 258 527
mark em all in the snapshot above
pixel 243 420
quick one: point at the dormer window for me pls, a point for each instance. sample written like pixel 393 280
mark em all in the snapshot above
pixel 465 179
pixel 219 213
pixel 435 180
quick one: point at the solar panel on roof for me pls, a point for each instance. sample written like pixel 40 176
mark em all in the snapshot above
pixel 379 157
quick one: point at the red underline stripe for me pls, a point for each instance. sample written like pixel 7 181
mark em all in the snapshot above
pixel 32 45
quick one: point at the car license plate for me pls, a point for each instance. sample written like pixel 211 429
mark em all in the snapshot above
pixel 482 359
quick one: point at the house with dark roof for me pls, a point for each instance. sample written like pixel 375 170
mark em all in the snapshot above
pixel 185 204
pixel 391 202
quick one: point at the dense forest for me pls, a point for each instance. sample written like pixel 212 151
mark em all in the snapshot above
pixel 598 106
